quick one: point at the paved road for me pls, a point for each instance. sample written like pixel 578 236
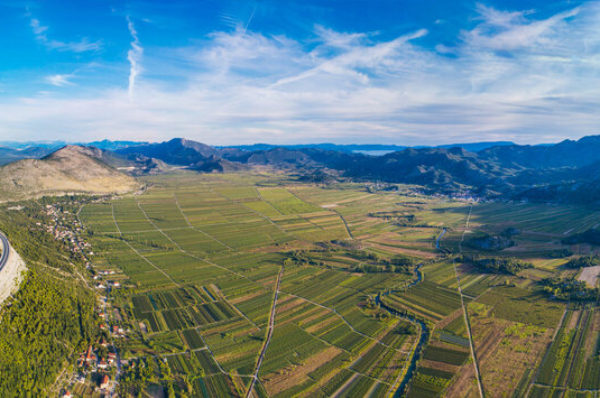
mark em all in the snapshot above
pixel 5 250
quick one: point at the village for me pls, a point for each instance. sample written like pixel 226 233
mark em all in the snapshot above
pixel 96 371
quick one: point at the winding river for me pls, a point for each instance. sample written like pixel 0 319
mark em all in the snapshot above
pixel 425 331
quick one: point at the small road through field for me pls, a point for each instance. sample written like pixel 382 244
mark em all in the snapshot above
pixel 187 220
pixel 466 313
pixel 138 253
pixel 270 329
pixel 345 223
pixel 271 325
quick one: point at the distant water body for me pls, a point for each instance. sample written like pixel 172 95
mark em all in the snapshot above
pixel 380 152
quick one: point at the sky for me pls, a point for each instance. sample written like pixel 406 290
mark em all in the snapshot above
pixel 226 72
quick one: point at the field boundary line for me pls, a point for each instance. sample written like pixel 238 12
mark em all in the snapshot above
pixel 345 223
pixel 270 329
pixel 537 372
pixel 185 217
pixel 137 252
pixel 194 257
pixel 112 208
pixel 581 330
pixel 266 201
pixel 79 218
pixel 256 212
pixel 141 231
pixel 212 354
pixel 157 228
pixel 345 321
pixel 332 210
pixel 466 313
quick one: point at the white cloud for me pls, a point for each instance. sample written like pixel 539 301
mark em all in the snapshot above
pixel 134 56
pixel 494 17
pixel 512 76
pixel 511 30
pixel 37 28
pixel 80 46
pixel 335 39
pixel 59 80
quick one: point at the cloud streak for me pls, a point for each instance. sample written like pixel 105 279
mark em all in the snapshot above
pixel 40 32
pixel 59 80
pixel 134 56
pixel 511 76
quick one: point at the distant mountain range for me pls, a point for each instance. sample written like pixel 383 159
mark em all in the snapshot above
pixel 366 148
pixel 565 172
pixel 11 150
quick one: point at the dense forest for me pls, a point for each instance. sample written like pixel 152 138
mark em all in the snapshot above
pixel 591 236
pixel 569 289
pixel 582 262
pixel 364 261
pixel 509 266
pixel 50 317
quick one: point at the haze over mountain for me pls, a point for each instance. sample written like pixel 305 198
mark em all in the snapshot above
pixel 9 154
pixel 367 148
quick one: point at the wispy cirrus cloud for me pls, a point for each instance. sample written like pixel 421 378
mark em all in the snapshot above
pixel 40 32
pixel 511 76
pixel 511 30
pixel 60 80
pixel 331 38
pixel 37 28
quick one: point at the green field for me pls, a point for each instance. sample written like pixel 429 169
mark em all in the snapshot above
pixel 200 257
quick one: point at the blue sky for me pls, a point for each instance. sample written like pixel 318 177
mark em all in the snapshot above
pixel 228 72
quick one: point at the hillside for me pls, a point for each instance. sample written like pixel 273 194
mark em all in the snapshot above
pixel 365 148
pixel 445 169
pixel 567 153
pixel 177 151
pixel 70 169
pixel 565 172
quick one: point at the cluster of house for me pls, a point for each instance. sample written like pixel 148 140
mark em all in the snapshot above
pixel 465 196
pixel 67 228
pixel 90 360
pixel 105 384
pixel 117 331
pixel 107 284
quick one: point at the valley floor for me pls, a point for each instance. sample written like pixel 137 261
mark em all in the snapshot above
pixel 258 285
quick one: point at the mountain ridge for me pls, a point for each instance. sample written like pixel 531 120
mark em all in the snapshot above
pixel 567 170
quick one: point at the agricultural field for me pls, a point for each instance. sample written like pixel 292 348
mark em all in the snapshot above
pixel 259 285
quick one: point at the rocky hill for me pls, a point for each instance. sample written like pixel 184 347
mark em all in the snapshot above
pixel 70 169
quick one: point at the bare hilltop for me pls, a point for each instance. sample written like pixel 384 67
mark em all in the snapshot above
pixel 71 169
